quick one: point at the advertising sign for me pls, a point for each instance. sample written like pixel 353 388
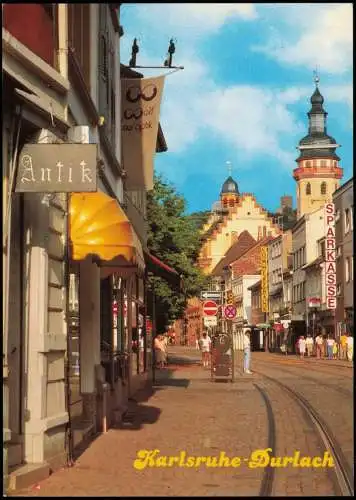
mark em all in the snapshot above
pixel 330 255
pixel 57 168
pixel 264 280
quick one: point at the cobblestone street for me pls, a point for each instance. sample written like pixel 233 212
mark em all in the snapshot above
pixel 187 412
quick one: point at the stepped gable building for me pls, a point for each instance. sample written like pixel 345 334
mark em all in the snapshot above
pixel 318 172
pixel 234 214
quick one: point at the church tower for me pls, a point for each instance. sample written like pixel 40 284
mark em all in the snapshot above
pixel 318 172
pixel 229 194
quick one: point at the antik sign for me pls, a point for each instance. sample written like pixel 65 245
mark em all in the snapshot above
pixel 57 168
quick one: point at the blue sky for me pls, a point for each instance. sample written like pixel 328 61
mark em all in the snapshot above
pixel 244 93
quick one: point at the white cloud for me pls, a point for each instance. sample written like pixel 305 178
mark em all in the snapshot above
pixel 324 37
pixel 194 19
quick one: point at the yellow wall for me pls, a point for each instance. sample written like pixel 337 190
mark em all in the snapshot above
pixel 310 203
pixel 247 216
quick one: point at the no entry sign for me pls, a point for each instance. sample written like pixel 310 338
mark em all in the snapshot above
pixel 210 308
pixel 230 312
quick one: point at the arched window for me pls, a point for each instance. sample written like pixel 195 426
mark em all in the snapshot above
pixel 308 188
pixel 231 203
pixel 323 188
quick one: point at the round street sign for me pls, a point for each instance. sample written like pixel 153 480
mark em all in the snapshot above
pixel 210 308
pixel 230 311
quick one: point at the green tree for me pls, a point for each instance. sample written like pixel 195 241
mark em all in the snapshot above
pixel 174 238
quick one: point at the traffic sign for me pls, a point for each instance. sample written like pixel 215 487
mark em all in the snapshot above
pixel 207 295
pixel 210 308
pixel 230 311
pixel 210 321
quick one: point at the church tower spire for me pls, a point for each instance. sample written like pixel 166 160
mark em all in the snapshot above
pixel 229 194
pixel 318 173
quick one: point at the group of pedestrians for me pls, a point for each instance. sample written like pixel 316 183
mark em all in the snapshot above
pixel 326 347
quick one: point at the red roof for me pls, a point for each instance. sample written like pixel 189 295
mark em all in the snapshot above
pixel 243 243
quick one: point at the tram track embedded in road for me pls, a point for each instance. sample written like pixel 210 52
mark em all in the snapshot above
pixel 342 471
pixel 268 474
pixel 341 390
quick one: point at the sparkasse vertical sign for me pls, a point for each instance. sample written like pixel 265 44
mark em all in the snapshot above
pixel 330 256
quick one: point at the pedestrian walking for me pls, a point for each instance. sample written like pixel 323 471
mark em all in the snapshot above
pixel 197 344
pixel 297 346
pixel 350 347
pixel 330 346
pixel 247 352
pixel 165 348
pixel 309 343
pixel 205 347
pixel 335 349
pixel 319 346
pixel 302 346
pixel 159 351
pixel 343 346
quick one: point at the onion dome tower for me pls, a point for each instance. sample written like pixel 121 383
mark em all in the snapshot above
pixel 229 194
pixel 318 172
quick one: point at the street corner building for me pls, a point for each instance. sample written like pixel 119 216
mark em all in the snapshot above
pixel 75 343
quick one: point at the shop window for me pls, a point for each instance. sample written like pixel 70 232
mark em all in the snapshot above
pixel 73 359
pixel 321 249
pixel 351 218
pixel 308 189
pixel 347 270
pixel 347 220
pixel 323 188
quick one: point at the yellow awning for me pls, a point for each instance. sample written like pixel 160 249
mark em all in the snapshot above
pixel 100 227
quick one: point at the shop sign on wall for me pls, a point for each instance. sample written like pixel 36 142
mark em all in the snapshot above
pixel 330 256
pixel 264 279
pixel 57 168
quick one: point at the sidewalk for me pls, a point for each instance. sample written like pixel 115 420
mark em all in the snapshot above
pixel 311 360
pixel 185 411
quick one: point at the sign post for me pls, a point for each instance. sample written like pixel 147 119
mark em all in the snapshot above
pixel 207 295
pixel 210 308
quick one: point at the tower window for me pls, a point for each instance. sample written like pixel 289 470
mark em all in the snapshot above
pixel 323 188
pixel 323 163
pixel 308 188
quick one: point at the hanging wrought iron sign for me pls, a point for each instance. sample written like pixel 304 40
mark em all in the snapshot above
pixel 57 168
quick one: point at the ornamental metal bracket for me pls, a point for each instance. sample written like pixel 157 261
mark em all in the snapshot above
pixel 168 63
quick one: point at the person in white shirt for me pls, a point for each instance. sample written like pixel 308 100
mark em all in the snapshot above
pixel 319 346
pixel 302 345
pixel 309 343
pixel 205 344
pixel 247 351
pixel 350 347
pixel 330 344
